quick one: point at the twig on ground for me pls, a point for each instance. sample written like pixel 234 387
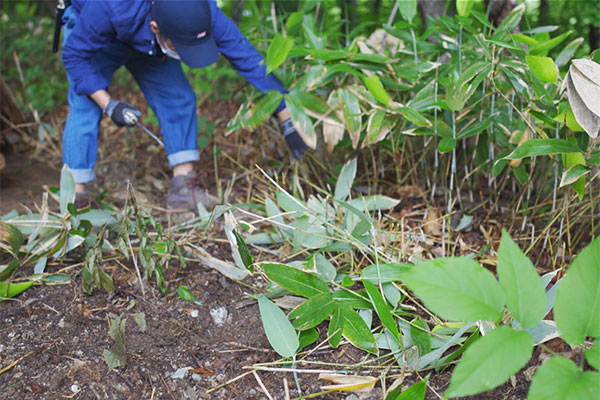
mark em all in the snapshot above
pixel 16 362
pixel 228 382
pixel 166 387
pixel 198 363
pixel 137 268
pixel 262 386
pixel 286 389
pixel 245 348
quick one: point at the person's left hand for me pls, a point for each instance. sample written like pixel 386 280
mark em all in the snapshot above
pixel 293 139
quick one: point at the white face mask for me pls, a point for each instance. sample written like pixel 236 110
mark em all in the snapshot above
pixel 166 49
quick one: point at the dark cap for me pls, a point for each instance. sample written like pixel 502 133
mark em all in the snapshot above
pixel 188 24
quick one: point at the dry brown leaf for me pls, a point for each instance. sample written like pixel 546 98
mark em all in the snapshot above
pixel 433 225
pixel 376 39
pixel 349 383
pixel 411 191
pixel 589 121
pixel 362 46
pixel 525 137
pixel 333 132
pixel 289 302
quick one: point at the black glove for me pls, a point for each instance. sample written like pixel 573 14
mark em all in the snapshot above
pixel 293 139
pixel 122 113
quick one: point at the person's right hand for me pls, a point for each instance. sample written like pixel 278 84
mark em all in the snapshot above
pixel 293 139
pixel 122 113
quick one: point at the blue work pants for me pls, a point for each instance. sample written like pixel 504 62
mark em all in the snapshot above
pixel 166 89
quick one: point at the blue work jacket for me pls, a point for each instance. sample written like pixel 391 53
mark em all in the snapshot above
pixel 102 21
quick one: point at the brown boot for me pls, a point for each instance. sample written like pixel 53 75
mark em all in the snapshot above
pixel 185 193
pixel 85 200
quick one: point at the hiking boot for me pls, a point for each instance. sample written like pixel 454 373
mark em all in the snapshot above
pixel 85 200
pixel 82 199
pixel 185 193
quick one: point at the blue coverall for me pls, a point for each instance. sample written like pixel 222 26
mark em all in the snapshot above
pixel 102 35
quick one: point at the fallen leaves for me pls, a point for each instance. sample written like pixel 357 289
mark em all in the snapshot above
pixel 349 383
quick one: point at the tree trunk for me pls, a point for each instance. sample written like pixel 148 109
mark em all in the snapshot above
pixel 594 37
pixel 431 8
pixel 376 8
pixel 236 14
pixel 498 10
pixel 11 115
pixel 544 13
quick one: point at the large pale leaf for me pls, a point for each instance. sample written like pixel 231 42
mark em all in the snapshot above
pixel 523 287
pixel 296 281
pixel 279 330
pixel 577 308
pixel 456 289
pixel 588 91
pixel 589 121
pixel 345 180
pixel 277 52
pixel 67 189
pixel 382 309
pixel 542 68
pixel 559 379
pixel 490 361
pixel 589 68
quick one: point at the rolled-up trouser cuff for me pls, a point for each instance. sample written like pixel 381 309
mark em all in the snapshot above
pixel 83 175
pixel 183 156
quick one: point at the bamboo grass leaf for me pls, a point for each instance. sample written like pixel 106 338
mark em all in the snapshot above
pixel 279 330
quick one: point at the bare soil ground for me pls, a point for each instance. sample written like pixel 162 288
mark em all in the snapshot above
pixel 53 336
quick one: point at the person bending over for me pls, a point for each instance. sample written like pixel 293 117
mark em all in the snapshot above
pixel 151 39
